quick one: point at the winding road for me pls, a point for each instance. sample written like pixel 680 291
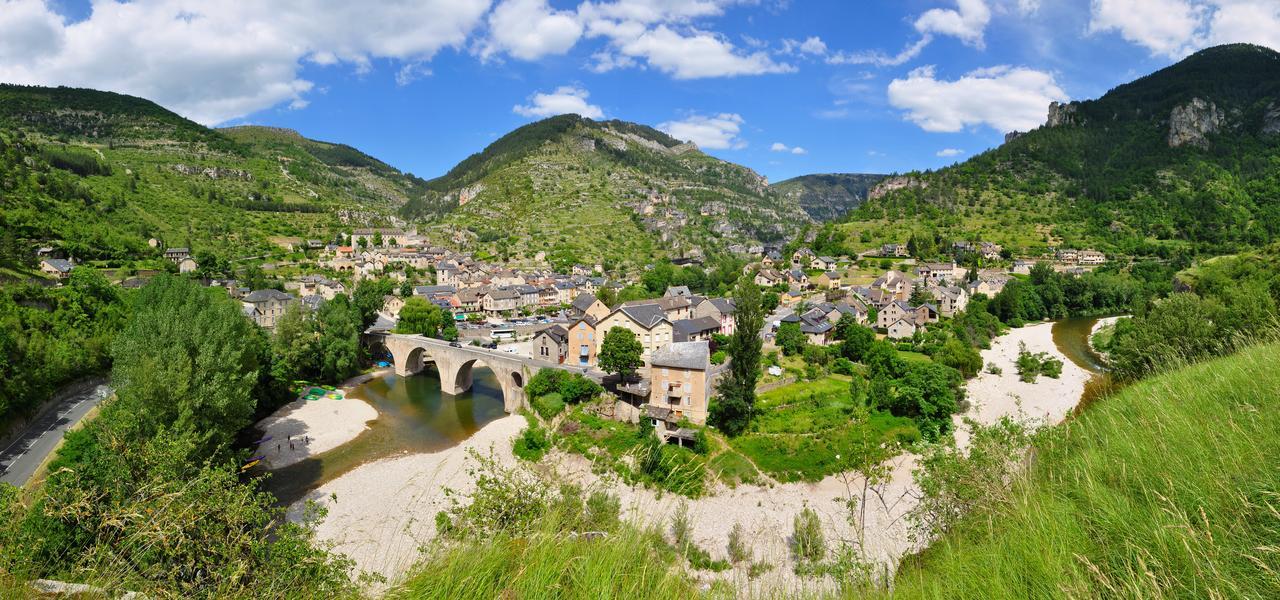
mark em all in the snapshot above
pixel 20 458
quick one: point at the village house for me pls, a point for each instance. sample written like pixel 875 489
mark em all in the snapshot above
pixel 265 307
pixel 989 284
pixel 825 263
pixel 802 256
pixel 528 294
pixel 678 386
pixel 797 278
pixel 647 321
pixel 692 330
pixel 901 329
pixel 500 301
pixel 391 306
pixel 57 267
pixel 827 280
pixel 177 254
pixel 814 325
pixel 769 278
pixel 678 290
pixel 1022 267
pixel 582 338
pixel 469 300
pixel 990 251
pixel 894 250
pixel 548 296
pixel 835 311
pixel 673 308
pixel 588 305
pixel 895 283
pixel 551 344
pixel 187 265
pixel 1092 257
pixel 720 309
pixel 951 299
pixel 566 291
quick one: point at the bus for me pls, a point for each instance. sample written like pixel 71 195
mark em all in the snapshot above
pixel 503 334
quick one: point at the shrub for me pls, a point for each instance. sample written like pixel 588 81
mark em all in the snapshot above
pixel 994 369
pixel 532 444
pixel 842 366
pixel 548 406
pixel 807 543
pixel 717 357
pixel 738 550
pixel 603 511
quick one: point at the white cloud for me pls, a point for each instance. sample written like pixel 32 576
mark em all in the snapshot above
pixel 217 61
pixel 696 55
pixel 880 59
pixel 949 152
pixel 1167 27
pixel 1175 28
pixel 1005 98
pixel 717 132
pixel 966 22
pixel 781 147
pixel 811 45
pixel 564 100
pixel 530 29
pixel 1256 22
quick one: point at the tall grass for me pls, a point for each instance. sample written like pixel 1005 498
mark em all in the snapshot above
pixel 1168 489
pixel 550 563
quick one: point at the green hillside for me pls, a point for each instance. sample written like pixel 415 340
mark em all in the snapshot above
pixel 1166 490
pixel 98 174
pixel 829 195
pixel 1184 159
pixel 583 190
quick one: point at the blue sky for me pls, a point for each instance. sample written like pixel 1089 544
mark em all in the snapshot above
pixel 784 87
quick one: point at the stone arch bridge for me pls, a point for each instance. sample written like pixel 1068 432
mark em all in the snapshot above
pixel 411 353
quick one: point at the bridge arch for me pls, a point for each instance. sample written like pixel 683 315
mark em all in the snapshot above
pixel 455 364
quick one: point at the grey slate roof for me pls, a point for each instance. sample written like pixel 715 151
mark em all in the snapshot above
pixel 684 328
pixel 61 264
pixel 647 315
pixel 584 301
pixel 683 355
pixel 267 295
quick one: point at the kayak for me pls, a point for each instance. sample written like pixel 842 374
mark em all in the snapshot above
pixel 262 441
pixel 249 466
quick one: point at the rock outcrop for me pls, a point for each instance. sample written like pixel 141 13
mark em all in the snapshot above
pixel 1191 123
pixel 1271 120
pixel 214 172
pixel 1064 113
pixel 1013 135
pixel 895 183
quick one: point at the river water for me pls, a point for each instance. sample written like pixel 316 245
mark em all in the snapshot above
pixel 1071 336
pixel 413 416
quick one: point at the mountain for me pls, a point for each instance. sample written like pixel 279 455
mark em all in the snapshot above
pixel 576 190
pixel 829 195
pixel 98 174
pixel 1182 160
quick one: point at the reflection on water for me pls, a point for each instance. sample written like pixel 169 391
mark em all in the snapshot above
pixel 413 416
pixel 1071 336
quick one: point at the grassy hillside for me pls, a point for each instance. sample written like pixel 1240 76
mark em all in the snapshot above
pixel 1104 172
pixel 1167 489
pixel 584 190
pixel 830 195
pixel 98 174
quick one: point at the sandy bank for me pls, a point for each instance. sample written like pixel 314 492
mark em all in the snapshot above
pixel 381 513
pixel 326 423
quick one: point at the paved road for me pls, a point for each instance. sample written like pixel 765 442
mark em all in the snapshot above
pixel 19 461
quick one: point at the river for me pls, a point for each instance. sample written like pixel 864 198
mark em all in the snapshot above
pixel 413 416
pixel 1071 336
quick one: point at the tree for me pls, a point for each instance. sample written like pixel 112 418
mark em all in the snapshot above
pixel 620 352
pixel 770 301
pixel 419 316
pixel 337 339
pixel 187 362
pixel 791 339
pixel 293 355
pixel 959 356
pixel 734 409
pixel 920 295
pixel 856 338
pixel 406 289
pixel 377 239
pixel 368 298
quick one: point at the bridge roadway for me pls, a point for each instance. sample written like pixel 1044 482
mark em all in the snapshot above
pixel 411 353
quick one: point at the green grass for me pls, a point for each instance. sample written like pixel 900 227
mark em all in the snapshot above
pixel 628 563
pixel 1168 489
pixel 801 428
pixel 622 448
